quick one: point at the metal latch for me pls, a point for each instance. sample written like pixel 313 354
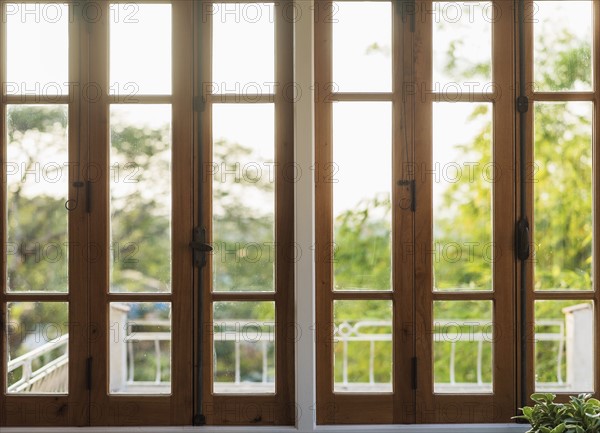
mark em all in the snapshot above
pixel 200 247
pixel 522 104
pixel 523 239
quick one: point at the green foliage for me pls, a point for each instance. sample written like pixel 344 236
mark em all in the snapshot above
pixel 580 415
pixel 37 252
pixel 43 119
pixel 467 203
pixel 243 230
pixel 362 253
pixel 568 71
pixel 140 222
pixel 563 202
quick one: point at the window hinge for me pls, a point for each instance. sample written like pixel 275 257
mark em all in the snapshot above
pixel 522 104
pixel 200 247
pixel 523 239
pixel 88 372
pixel 413 192
pixel 413 370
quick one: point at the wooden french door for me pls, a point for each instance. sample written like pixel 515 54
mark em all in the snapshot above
pixel 466 212
pixel 43 288
pixel 141 135
pixel 97 165
pixel 365 348
pixel 245 95
pixel 143 208
pixel 415 212
pixel 560 129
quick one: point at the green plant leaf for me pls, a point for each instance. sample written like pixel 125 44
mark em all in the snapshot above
pixel 542 397
pixel 594 402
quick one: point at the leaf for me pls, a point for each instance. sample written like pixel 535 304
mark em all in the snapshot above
pixel 542 397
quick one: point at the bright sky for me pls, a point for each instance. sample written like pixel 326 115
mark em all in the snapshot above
pixel 362 62
pixel 42 33
pixel 243 48
pixel 140 49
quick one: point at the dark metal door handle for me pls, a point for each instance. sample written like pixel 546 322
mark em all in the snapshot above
pixel 200 247
pixel 523 240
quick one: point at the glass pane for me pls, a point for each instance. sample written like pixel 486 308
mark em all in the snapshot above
pixel 564 346
pixel 362 177
pixel 362 46
pixel 243 56
pixel 38 348
pixel 37 48
pixel 37 176
pixel 362 346
pixel 140 198
pixel 462 46
pixel 140 348
pixel 243 171
pixel 244 348
pixel 563 198
pixel 463 179
pixel 563 45
pixel 463 347
pixel 140 49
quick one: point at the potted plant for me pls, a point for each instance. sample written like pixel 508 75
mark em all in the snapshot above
pixel 580 415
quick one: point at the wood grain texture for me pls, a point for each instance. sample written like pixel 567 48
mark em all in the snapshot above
pixel 71 409
pixel 498 406
pixel 276 409
pixel 532 294
pixel 3 237
pixel 327 409
pixel 174 409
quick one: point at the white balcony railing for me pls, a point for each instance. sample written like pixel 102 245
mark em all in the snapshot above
pixel 52 376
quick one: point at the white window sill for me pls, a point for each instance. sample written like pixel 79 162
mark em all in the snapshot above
pixel 431 428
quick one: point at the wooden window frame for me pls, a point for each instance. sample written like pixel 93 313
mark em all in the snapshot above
pixel 412 309
pixel 176 408
pixel 533 295
pixel 92 278
pixel 252 409
pixel 89 279
pixel 72 408
pixel 347 408
pixel 500 405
